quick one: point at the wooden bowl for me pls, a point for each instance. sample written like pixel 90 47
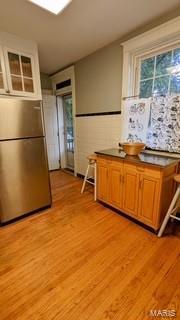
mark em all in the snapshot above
pixel 133 148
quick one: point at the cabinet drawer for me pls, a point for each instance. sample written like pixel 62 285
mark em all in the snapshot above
pixel 144 169
pixel 104 161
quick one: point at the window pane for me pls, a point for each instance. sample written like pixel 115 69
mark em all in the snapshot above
pixel 14 63
pixel 176 56
pixel 161 85
pixel 147 68
pixel 163 61
pixel 17 83
pixel 1 81
pixel 26 66
pixel 28 85
pixel 146 88
pixel 175 84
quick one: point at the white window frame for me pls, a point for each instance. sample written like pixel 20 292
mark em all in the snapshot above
pixel 3 72
pixel 146 56
pixel 156 39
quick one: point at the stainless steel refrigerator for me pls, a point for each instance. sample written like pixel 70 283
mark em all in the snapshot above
pixel 24 176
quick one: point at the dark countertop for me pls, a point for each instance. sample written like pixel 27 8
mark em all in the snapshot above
pixel 156 160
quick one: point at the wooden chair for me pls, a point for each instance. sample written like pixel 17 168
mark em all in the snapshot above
pixel 91 164
pixel 173 208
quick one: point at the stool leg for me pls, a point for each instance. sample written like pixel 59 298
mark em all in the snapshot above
pixel 85 178
pixel 172 205
pixel 95 180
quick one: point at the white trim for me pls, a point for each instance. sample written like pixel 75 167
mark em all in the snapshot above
pixel 157 38
pixel 165 30
pixel 4 74
pixel 64 75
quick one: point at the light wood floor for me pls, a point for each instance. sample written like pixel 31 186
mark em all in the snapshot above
pixel 80 260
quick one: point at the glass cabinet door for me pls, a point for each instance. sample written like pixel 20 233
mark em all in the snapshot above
pixel 3 85
pixel 1 78
pixel 21 80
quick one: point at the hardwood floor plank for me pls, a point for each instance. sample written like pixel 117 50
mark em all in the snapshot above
pixel 80 260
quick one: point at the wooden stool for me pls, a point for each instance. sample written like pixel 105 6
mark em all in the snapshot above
pixel 173 208
pixel 91 164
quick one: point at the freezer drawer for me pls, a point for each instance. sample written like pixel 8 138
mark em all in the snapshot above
pixel 20 119
pixel 24 177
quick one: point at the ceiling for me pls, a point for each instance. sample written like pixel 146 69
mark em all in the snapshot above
pixel 82 28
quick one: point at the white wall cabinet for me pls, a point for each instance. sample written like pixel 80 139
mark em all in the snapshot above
pixel 19 68
pixel 3 78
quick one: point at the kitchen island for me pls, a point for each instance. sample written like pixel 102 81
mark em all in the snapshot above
pixel 140 186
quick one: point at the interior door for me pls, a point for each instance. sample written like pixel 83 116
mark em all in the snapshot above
pixel 51 131
pixel 68 131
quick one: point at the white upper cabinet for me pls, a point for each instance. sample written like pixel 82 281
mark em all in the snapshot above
pixel 19 67
pixel 20 73
pixel 3 79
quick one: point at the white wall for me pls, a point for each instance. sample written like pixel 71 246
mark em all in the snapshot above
pixel 94 133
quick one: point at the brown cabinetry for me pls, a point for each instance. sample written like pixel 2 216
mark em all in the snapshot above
pixel 135 189
pixel 148 200
pixel 103 181
pixel 130 190
pixel 115 185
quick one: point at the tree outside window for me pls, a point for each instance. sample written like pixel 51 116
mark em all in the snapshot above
pixel 160 74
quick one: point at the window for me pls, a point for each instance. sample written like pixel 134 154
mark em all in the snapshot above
pixel 157 48
pixel 159 74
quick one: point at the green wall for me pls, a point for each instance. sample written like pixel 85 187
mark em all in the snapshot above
pixel 45 81
pixel 99 75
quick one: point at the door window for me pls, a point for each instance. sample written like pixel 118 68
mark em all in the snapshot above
pixel 68 131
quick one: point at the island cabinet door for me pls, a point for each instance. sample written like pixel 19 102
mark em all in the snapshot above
pixel 130 190
pixel 149 195
pixel 102 180
pixel 116 185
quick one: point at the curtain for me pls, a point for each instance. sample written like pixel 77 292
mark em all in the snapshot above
pixel 164 124
pixel 135 114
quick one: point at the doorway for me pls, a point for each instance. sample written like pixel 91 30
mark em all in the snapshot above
pixel 68 131
pixel 51 131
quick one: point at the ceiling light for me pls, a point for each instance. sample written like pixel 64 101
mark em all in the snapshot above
pixel 54 6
